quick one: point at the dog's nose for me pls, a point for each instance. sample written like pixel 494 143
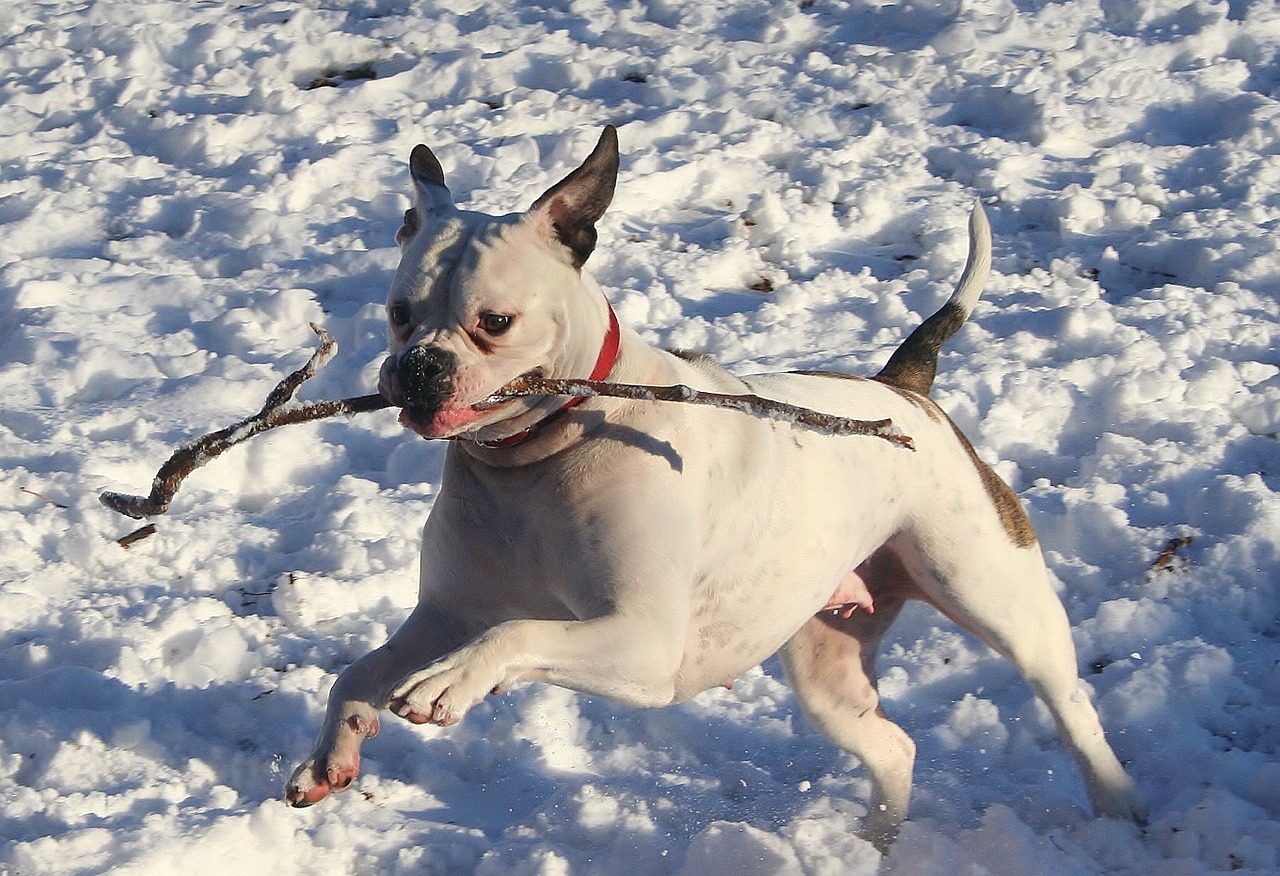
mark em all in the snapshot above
pixel 425 374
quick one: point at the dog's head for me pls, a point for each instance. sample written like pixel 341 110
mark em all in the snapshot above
pixel 479 300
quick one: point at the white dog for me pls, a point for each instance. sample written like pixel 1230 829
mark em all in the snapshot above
pixel 646 552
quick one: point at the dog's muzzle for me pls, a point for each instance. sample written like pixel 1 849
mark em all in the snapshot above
pixel 425 377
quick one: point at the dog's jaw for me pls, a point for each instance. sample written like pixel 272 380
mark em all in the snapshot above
pixel 441 424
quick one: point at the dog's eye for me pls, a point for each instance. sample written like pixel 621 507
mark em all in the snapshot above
pixel 495 323
pixel 398 313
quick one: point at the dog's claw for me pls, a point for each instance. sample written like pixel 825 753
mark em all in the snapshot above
pixel 443 716
pixel 300 801
pixel 403 710
pixel 440 715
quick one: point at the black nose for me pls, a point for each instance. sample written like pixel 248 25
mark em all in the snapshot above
pixel 425 375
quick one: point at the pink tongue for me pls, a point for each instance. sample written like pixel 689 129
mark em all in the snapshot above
pixel 443 424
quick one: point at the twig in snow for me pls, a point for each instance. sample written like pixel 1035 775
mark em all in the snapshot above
pixel 136 536
pixel 1165 561
pixel 43 498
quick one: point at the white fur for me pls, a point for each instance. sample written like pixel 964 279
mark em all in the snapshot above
pixel 645 552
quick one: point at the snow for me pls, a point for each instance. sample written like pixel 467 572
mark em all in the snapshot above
pixel 177 202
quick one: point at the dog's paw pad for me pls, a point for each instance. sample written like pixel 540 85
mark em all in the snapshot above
pixel 404 710
pixel 341 779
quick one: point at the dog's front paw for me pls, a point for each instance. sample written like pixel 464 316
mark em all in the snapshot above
pixel 444 691
pixel 334 764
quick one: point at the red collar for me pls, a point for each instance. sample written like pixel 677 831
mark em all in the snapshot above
pixel 604 364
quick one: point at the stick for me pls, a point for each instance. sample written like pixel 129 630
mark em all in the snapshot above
pixel 42 497
pixel 136 536
pixel 751 404
pixel 274 413
pixel 191 456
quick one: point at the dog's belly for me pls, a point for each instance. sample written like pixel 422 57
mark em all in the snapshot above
pixel 750 618
pixel 721 651
pixel 767 571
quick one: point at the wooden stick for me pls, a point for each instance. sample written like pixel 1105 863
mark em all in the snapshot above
pixel 751 404
pixel 275 413
pixel 191 456
pixel 136 536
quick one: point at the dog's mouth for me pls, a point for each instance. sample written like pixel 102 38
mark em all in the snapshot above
pixel 438 424
pixel 450 422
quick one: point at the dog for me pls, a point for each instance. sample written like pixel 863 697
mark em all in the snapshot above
pixel 645 552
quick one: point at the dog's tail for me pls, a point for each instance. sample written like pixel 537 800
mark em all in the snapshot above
pixel 914 364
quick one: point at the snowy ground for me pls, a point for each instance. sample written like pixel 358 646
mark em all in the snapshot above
pixel 177 201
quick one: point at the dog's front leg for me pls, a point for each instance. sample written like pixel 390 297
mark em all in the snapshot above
pixel 625 659
pixel 359 694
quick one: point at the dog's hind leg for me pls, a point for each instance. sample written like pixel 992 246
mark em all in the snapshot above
pixel 1003 596
pixel 830 663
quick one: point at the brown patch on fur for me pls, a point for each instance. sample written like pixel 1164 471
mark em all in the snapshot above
pixel 838 374
pixel 920 400
pixel 1013 518
pixel 1012 515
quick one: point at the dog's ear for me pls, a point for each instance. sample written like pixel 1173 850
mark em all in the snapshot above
pixel 428 178
pixel 434 198
pixel 571 208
